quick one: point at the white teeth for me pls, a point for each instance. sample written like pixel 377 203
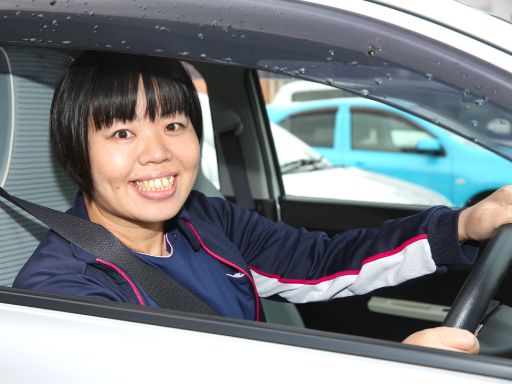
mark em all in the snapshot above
pixel 163 183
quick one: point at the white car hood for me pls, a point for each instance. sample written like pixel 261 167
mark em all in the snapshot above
pixel 356 184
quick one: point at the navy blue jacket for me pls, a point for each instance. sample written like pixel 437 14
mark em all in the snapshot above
pixel 298 265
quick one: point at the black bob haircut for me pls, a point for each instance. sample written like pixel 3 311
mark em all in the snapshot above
pixel 102 87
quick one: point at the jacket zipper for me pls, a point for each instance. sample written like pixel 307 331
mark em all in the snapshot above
pixel 222 260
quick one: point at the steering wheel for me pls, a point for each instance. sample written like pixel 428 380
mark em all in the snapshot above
pixel 489 270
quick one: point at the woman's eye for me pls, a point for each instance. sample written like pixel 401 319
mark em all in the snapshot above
pixel 123 134
pixel 173 127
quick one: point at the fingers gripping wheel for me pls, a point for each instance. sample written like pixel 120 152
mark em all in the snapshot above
pixel 472 301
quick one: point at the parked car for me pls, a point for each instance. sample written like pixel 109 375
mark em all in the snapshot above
pixel 350 45
pixel 307 173
pixel 370 135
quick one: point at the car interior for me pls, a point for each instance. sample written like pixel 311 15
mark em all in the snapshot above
pixel 27 78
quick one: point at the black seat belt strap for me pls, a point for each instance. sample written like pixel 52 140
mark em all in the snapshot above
pixel 97 240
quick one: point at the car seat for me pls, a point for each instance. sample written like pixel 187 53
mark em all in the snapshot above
pixel 27 170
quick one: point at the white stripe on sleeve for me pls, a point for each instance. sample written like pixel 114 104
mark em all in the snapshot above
pixel 412 260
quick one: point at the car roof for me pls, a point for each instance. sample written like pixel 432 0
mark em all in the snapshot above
pixel 469 21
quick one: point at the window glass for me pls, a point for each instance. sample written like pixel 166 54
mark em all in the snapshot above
pixel 338 145
pixel 310 134
pixel 384 131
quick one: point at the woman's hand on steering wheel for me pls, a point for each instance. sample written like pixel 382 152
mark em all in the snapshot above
pixel 451 339
pixel 480 221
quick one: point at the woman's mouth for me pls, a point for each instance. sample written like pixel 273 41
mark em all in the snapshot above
pixel 155 185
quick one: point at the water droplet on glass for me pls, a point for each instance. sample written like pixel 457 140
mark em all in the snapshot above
pixel 200 35
pixel 474 123
pixel 242 37
pixel 302 70
pixel 40 15
pixel 108 46
pixel 66 42
pixel 480 102
pixel 95 27
pixel 365 92
pixel 354 63
pixel 331 52
pixel 463 75
pixel 123 41
pixel 466 92
pixel 158 50
pixel 438 62
pixel 329 81
pixel 388 76
pixel 378 81
pixel 68 17
pixel 429 76
pixel 55 22
pixel 184 53
pixel 18 13
pixel 371 51
pixel 203 55
pixel 227 59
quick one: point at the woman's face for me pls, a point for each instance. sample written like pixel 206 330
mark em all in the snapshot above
pixel 142 171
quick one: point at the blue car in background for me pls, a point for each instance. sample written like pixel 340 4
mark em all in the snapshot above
pixel 359 132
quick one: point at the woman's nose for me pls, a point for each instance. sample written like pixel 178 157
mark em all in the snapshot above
pixel 154 149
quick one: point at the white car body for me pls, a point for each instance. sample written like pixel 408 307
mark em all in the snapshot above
pixel 135 353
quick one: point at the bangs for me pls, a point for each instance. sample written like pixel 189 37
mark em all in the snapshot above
pixel 114 95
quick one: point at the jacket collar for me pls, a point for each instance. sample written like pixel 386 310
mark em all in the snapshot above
pixel 79 209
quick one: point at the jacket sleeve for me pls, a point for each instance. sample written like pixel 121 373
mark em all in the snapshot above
pixel 52 268
pixel 303 266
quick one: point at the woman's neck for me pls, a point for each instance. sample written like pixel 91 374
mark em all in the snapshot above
pixel 141 237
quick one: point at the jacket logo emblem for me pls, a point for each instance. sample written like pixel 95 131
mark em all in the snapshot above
pixel 237 275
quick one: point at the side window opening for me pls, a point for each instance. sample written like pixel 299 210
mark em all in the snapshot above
pixel 310 125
